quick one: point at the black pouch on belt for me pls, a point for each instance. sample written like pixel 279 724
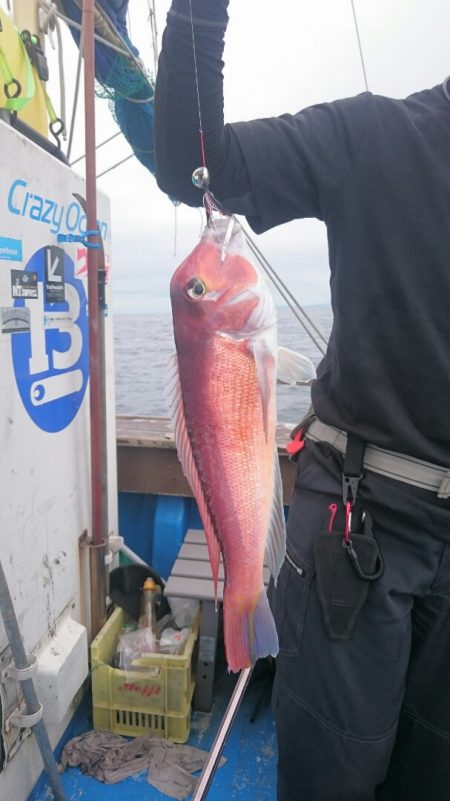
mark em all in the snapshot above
pixel 344 572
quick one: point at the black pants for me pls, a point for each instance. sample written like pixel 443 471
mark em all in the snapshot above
pixel 367 718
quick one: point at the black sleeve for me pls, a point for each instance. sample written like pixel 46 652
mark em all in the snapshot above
pixel 272 170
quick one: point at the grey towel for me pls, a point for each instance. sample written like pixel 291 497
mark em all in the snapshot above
pixel 110 758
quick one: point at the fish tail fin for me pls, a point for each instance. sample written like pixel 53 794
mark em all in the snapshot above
pixel 249 632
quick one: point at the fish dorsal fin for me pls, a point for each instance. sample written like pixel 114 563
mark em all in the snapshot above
pixel 276 535
pixel 294 368
pixel 175 405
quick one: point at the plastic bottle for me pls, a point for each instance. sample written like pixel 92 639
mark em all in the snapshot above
pixel 147 620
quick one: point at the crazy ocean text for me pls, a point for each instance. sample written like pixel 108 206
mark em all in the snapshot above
pixel 49 212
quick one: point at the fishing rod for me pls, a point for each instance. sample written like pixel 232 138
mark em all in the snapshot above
pixel 228 719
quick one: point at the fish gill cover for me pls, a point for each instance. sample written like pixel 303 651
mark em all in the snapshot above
pixel 120 79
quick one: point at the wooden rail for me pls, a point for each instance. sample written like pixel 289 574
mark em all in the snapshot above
pixel 147 460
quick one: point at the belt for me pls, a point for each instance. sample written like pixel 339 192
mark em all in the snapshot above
pixel 398 466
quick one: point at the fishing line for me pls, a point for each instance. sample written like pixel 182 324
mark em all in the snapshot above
pixel 297 310
pixel 200 179
pixel 359 44
pixel 201 176
pixel 105 142
pixel 75 97
pixel 122 161
pixel 118 163
pixel 153 31
pixel 199 108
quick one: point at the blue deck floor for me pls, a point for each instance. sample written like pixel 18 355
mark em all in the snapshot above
pixel 249 774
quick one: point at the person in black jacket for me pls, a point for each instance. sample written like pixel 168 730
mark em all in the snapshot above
pixel 362 691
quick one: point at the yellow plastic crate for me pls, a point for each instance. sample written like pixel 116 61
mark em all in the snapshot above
pixel 152 700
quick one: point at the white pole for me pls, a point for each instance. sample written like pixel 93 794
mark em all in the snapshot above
pixel 209 768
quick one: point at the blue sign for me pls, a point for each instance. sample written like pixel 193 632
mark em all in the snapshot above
pixel 51 362
pixel 10 249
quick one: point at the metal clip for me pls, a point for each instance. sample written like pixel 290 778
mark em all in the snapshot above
pixel 24 721
pixel 57 128
pixel 10 93
pixel 83 238
pixel 11 672
pixel 36 54
pixel 350 487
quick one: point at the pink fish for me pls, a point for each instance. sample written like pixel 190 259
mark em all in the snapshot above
pixel 222 400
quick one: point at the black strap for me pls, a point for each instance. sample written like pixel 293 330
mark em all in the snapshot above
pixel 352 471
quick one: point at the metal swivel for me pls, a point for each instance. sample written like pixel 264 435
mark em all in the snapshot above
pixel 201 178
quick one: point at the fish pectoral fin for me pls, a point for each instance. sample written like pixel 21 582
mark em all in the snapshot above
pixel 175 405
pixel 265 362
pixel 276 535
pixel 294 368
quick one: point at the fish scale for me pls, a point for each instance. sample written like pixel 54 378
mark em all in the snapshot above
pixel 235 461
pixel 222 401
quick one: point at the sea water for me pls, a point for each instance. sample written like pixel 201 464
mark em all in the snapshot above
pixel 143 344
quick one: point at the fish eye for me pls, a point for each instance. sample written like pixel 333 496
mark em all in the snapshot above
pixel 195 288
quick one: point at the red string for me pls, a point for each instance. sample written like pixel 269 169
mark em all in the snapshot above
pixel 333 511
pixel 202 145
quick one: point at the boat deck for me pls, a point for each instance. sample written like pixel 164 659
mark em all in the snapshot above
pixel 248 775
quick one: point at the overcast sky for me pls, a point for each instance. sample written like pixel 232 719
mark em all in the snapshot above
pixel 279 57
